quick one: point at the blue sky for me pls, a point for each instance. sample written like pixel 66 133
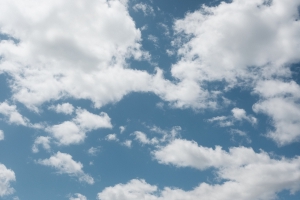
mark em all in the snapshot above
pixel 153 100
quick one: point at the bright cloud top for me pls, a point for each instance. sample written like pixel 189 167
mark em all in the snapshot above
pixel 6 177
pixel 64 164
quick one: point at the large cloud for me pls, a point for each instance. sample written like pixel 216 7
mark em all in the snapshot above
pixel 6 177
pixel 247 175
pixel 64 164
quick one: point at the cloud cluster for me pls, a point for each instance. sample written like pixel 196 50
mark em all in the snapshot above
pixel 6 177
pixel 246 174
pixel 64 164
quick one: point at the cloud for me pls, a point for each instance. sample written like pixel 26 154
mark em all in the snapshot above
pixel 74 132
pixel 1 135
pixel 122 129
pixel 244 174
pixel 78 196
pixel 65 108
pixel 111 137
pixel 142 138
pixel 280 101
pixel 127 143
pixel 11 112
pixel 93 151
pixel 6 177
pixel 238 114
pixel 64 164
pixel 145 8
pixel 43 141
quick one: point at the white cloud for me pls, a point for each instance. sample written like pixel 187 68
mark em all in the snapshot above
pixel 74 132
pixel 280 101
pixel 78 196
pixel 65 108
pixel 93 151
pixel 127 143
pixel 240 114
pixel 154 39
pixel 245 175
pixel 43 141
pixel 89 121
pixel 1 135
pixel 112 137
pixel 142 138
pixel 67 133
pixel 64 164
pixel 145 8
pixel 122 129
pixel 11 112
pixel 6 177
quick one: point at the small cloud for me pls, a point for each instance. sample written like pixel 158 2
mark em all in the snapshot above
pixel 64 164
pixel 65 108
pixel 145 8
pixel 41 141
pixel 93 151
pixel 111 137
pixel 127 143
pixel 160 105
pixel 122 129
pixel 78 196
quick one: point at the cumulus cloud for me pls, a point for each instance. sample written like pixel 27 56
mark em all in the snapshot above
pixel 1 135
pixel 64 164
pixel 43 141
pixel 78 196
pixel 280 101
pixel 246 174
pixel 240 114
pixel 65 108
pixel 74 132
pixel 122 129
pixel 11 112
pixel 6 177
pixel 145 8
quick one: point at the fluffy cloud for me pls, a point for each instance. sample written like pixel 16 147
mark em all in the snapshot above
pixel 74 132
pixel 78 196
pixel 246 174
pixel 240 114
pixel 93 151
pixel 64 164
pixel 280 101
pixel 43 141
pixel 6 177
pixel 11 112
pixel 65 108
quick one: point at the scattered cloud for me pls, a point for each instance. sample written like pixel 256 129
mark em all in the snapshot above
pixel 127 143
pixel 74 132
pixel 93 151
pixel 6 177
pixel 11 112
pixel 280 101
pixel 65 108
pixel 122 129
pixel 78 196
pixel 112 137
pixel 64 164
pixel 145 8
pixel 252 175
pixel 42 141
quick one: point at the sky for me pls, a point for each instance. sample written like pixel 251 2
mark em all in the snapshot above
pixel 149 100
